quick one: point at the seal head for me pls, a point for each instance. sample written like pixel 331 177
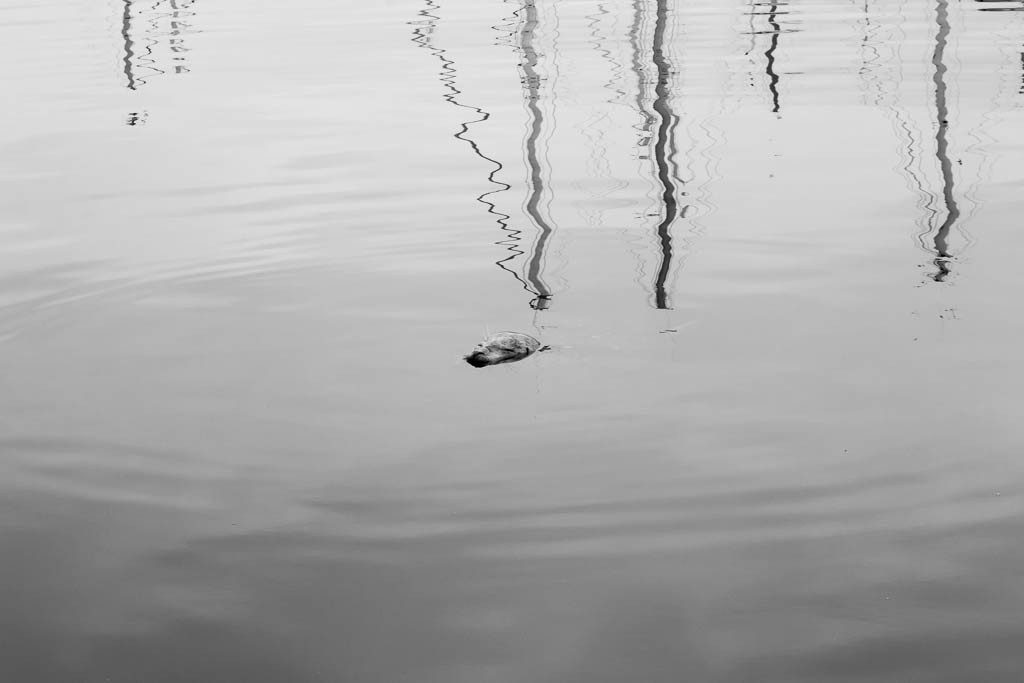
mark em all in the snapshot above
pixel 503 347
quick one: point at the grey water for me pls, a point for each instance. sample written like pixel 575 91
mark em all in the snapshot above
pixel 775 249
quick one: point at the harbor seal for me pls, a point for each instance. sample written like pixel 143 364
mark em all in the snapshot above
pixel 503 347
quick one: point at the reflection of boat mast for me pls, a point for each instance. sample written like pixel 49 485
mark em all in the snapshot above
pixel 664 154
pixel 941 236
pixel 424 36
pixel 129 45
pixel 531 80
pixel 773 78
pixel 140 34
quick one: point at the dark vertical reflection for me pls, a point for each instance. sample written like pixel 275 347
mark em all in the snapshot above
pixel 129 45
pixel 773 77
pixel 941 237
pixel 664 154
pixel 531 81
pixel 423 35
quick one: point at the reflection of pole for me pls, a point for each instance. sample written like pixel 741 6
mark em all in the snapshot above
pixel 773 78
pixel 664 153
pixel 941 239
pixel 531 79
pixel 126 26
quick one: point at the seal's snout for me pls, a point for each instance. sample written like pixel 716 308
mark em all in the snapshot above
pixel 477 360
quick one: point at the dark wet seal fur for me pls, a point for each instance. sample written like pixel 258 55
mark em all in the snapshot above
pixel 503 347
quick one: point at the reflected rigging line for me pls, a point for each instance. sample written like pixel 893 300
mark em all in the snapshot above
pixel 909 137
pixel 941 237
pixel 641 78
pixel 664 155
pixel 424 38
pixel 639 65
pixel 599 169
pixel 138 55
pixel 531 79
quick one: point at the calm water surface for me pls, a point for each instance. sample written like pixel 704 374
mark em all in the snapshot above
pixel 775 247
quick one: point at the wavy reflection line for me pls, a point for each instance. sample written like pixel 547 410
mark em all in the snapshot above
pixel 753 31
pixel 870 63
pixel 136 60
pixel 909 137
pixel 423 35
pixel 639 66
pixel 773 77
pixel 600 43
pixel 980 148
pixel 129 44
pixel 592 129
pixel 532 82
pixel 664 154
pixel 146 59
pixel 940 239
pixel 640 69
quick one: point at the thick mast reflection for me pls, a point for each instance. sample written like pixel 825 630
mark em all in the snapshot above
pixel 129 44
pixel 773 77
pixel 940 239
pixel 531 82
pixel 664 155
